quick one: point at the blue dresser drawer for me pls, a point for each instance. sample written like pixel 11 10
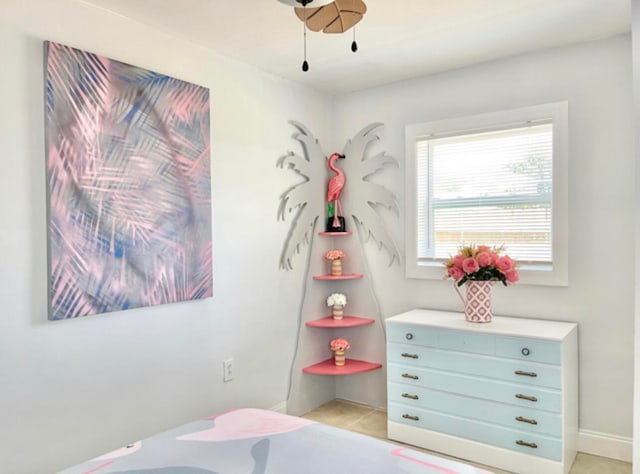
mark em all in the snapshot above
pixel 509 416
pixel 516 440
pixel 521 372
pixel 528 349
pixel 421 336
pixel 465 341
pixel 484 388
pixel 462 341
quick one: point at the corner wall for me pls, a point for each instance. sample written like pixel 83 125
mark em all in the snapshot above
pixel 71 390
pixel 635 35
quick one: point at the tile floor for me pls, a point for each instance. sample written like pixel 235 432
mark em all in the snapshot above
pixel 373 422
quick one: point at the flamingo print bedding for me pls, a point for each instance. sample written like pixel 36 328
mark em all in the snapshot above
pixel 264 442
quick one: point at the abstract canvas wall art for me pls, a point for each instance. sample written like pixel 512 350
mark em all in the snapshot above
pixel 129 185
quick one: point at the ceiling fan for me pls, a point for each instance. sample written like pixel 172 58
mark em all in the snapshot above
pixel 330 17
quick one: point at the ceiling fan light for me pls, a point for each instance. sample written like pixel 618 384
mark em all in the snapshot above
pixel 309 3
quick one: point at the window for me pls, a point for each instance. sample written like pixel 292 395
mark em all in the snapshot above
pixel 493 179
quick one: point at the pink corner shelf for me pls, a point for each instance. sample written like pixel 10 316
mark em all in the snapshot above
pixel 335 234
pixel 351 366
pixel 345 322
pixel 351 276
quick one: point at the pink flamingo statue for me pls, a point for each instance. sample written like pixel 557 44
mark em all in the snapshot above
pixel 335 187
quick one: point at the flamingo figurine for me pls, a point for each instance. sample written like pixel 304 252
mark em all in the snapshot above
pixel 335 188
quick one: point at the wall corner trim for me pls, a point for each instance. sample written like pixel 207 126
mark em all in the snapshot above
pixel 280 408
pixel 605 444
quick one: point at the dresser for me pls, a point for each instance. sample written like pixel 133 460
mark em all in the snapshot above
pixel 503 393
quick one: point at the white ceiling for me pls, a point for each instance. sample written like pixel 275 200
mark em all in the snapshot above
pixel 397 39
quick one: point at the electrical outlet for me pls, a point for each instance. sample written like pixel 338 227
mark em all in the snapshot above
pixel 227 370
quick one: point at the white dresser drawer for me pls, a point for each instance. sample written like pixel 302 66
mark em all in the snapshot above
pixel 487 389
pixel 516 440
pixel 509 416
pixel 521 372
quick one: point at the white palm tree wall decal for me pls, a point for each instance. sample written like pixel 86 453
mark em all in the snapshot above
pixel 360 198
pixel 305 198
pixel 306 203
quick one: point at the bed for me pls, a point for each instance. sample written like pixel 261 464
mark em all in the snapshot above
pixel 265 442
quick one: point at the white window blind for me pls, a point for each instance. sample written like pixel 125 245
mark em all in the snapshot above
pixel 489 188
pixel 496 178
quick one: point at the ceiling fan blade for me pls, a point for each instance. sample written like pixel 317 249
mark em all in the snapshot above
pixel 336 17
pixel 350 6
pixel 318 18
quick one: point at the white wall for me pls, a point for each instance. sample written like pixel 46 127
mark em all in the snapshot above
pixel 635 34
pixel 596 80
pixel 70 390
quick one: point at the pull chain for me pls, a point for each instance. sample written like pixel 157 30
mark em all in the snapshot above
pixel 354 45
pixel 305 64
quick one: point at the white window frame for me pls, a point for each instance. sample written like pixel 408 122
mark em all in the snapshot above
pixel 555 274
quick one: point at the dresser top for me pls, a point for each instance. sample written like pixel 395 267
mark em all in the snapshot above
pixel 536 328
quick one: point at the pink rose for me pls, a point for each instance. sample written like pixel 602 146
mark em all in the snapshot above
pixel 334 254
pixel 504 264
pixel 469 265
pixel 457 260
pixel 484 259
pixel 494 258
pixel 512 275
pixel 484 248
pixel 456 273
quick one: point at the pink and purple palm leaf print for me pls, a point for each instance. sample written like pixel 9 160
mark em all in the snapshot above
pixel 128 161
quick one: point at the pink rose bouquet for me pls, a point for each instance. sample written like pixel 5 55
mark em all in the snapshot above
pixel 334 254
pixel 339 344
pixel 481 263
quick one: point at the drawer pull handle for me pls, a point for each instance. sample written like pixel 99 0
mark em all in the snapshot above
pixel 409 336
pixel 411 417
pixel 409 376
pixel 528 445
pixel 526 397
pixel 525 351
pixel 410 356
pixel 408 395
pixel 527 374
pixel 526 420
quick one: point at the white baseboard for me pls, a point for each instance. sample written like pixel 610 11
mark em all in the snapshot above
pixel 280 407
pixel 604 444
pixel 589 442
